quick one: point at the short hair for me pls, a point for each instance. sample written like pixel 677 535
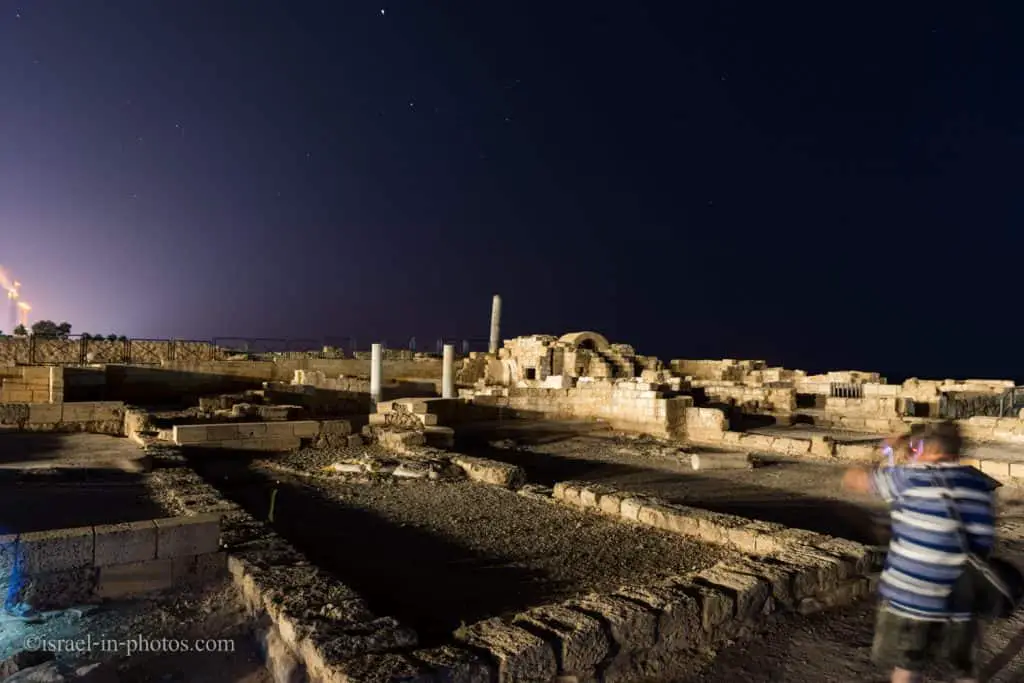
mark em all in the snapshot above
pixel 944 437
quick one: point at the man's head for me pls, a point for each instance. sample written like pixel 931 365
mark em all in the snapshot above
pixel 939 442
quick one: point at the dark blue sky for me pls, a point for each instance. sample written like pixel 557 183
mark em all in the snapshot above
pixel 815 184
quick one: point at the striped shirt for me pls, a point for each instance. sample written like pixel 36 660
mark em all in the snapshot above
pixel 925 554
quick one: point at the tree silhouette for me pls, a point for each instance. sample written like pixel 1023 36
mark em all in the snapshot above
pixel 20 331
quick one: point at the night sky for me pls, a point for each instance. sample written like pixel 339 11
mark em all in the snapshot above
pixel 819 185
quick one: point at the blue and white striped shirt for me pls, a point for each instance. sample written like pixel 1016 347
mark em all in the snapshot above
pixel 925 554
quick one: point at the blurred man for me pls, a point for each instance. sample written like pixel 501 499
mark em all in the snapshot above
pixel 927 614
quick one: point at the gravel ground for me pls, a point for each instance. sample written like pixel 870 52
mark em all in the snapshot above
pixel 210 615
pixel 436 554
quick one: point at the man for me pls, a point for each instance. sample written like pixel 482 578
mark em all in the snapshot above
pixel 927 612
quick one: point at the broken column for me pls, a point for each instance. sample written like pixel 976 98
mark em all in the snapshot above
pixel 448 372
pixel 376 369
pixel 492 347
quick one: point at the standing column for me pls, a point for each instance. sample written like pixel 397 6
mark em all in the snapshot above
pixel 495 324
pixel 376 369
pixel 448 372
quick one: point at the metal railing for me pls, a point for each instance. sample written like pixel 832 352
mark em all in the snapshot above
pixel 846 390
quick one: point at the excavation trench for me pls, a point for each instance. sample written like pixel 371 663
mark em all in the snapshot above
pixel 436 555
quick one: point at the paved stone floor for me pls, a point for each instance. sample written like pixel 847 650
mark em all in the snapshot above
pixel 41 450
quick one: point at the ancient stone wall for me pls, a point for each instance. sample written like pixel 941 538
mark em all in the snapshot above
pixel 750 398
pixel 725 369
pixel 100 417
pixel 31 384
pixel 625 404
pixel 63 567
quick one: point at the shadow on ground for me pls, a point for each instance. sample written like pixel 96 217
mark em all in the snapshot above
pixel 425 581
pixel 74 499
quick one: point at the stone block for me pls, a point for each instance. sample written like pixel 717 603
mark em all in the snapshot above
pixel 716 605
pixel 491 472
pixel 281 428
pixel 184 435
pixel 250 430
pixel 749 592
pixel 632 626
pixel 996 468
pixel 678 613
pixel 339 427
pixel 305 429
pixel 77 412
pixel 222 432
pixel 44 413
pixel 610 503
pixel 124 543
pixel 579 640
pixel 568 492
pixel 182 536
pixel 520 655
pixel 138 578
pixel 631 506
pixel 55 550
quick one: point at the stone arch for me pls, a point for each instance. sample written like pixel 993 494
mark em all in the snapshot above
pixel 585 340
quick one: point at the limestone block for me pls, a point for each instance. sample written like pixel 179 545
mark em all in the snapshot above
pixel 138 578
pixel 579 641
pixel 716 605
pixel 55 550
pixel 181 536
pixel 305 429
pixel 757 443
pixel 568 491
pixel 491 472
pixel 184 435
pixel 521 656
pixel 749 592
pixel 998 469
pixel 632 626
pixel 124 543
pixel 339 427
pixel 791 446
pixel 44 413
pixel 757 537
pixel 678 613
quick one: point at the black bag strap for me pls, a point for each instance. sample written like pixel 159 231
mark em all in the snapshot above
pixel 973 559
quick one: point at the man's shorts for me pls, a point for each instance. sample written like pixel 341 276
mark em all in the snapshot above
pixel 914 645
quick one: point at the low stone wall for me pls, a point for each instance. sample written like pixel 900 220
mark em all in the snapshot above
pixel 627 405
pixel 312 626
pixel 869 407
pixel 100 417
pixel 259 436
pixel 61 567
pixel 640 632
